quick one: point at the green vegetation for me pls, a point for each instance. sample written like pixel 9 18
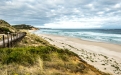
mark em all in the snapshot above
pixel 48 60
pixel 24 26
pixel 6 27
pixel 4 30
pixel 15 55
pixel 32 40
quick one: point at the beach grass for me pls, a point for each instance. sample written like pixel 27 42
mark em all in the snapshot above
pixel 43 60
pixel 31 40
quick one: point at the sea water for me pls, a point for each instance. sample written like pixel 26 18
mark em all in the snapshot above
pixel 99 35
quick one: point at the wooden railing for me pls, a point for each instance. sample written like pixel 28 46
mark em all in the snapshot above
pixel 11 39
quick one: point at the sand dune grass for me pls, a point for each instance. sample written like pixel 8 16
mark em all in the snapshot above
pixel 31 40
pixel 43 60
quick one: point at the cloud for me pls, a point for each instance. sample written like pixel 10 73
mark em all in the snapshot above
pixel 95 22
pixel 71 25
pixel 63 13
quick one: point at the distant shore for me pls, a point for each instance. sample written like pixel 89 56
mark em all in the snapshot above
pixel 104 56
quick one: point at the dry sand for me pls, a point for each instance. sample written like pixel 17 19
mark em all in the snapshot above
pixel 104 56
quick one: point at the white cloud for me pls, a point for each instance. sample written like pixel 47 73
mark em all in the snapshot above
pixel 117 6
pixel 72 25
pixel 100 13
pixel 91 6
pixel 77 23
pixel 84 23
pixel 107 9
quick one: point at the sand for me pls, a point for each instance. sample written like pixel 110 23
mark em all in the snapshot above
pixel 104 56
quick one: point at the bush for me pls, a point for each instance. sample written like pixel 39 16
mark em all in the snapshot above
pixel 20 56
pixel 4 30
pixel 51 58
pixel 27 55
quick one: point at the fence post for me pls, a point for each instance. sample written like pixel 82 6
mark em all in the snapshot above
pixel 3 41
pixel 11 40
pixel 16 36
pixel 8 39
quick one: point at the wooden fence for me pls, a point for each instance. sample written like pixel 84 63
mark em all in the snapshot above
pixel 11 39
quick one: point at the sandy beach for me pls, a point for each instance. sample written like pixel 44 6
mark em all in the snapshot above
pixel 104 56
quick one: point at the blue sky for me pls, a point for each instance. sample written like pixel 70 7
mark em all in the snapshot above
pixel 62 13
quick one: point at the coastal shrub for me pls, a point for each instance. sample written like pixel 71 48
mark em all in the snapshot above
pixel 32 40
pixel 50 59
pixel 27 55
pixel 18 55
pixel 64 57
pixel 38 39
pixel 4 30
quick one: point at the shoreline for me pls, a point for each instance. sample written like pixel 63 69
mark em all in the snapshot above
pixel 103 56
pixel 90 42
pixel 113 38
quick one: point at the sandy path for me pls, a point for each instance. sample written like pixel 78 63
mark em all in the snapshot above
pixel 104 56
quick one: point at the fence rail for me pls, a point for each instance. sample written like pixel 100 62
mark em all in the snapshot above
pixel 11 39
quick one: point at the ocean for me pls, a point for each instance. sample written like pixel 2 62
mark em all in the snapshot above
pixel 98 35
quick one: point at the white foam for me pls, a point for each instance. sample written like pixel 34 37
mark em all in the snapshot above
pixel 89 35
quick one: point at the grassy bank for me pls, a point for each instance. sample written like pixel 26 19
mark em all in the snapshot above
pixel 43 60
pixel 32 40
pixel 35 56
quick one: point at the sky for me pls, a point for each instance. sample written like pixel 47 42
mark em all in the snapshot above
pixel 62 13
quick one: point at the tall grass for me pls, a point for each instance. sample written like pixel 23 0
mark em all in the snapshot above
pixel 27 55
pixel 42 60
pixel 32 40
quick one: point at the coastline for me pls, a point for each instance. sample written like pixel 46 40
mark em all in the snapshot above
pixel 103 56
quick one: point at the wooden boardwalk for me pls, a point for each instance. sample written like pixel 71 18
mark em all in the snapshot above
pixel 11 39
